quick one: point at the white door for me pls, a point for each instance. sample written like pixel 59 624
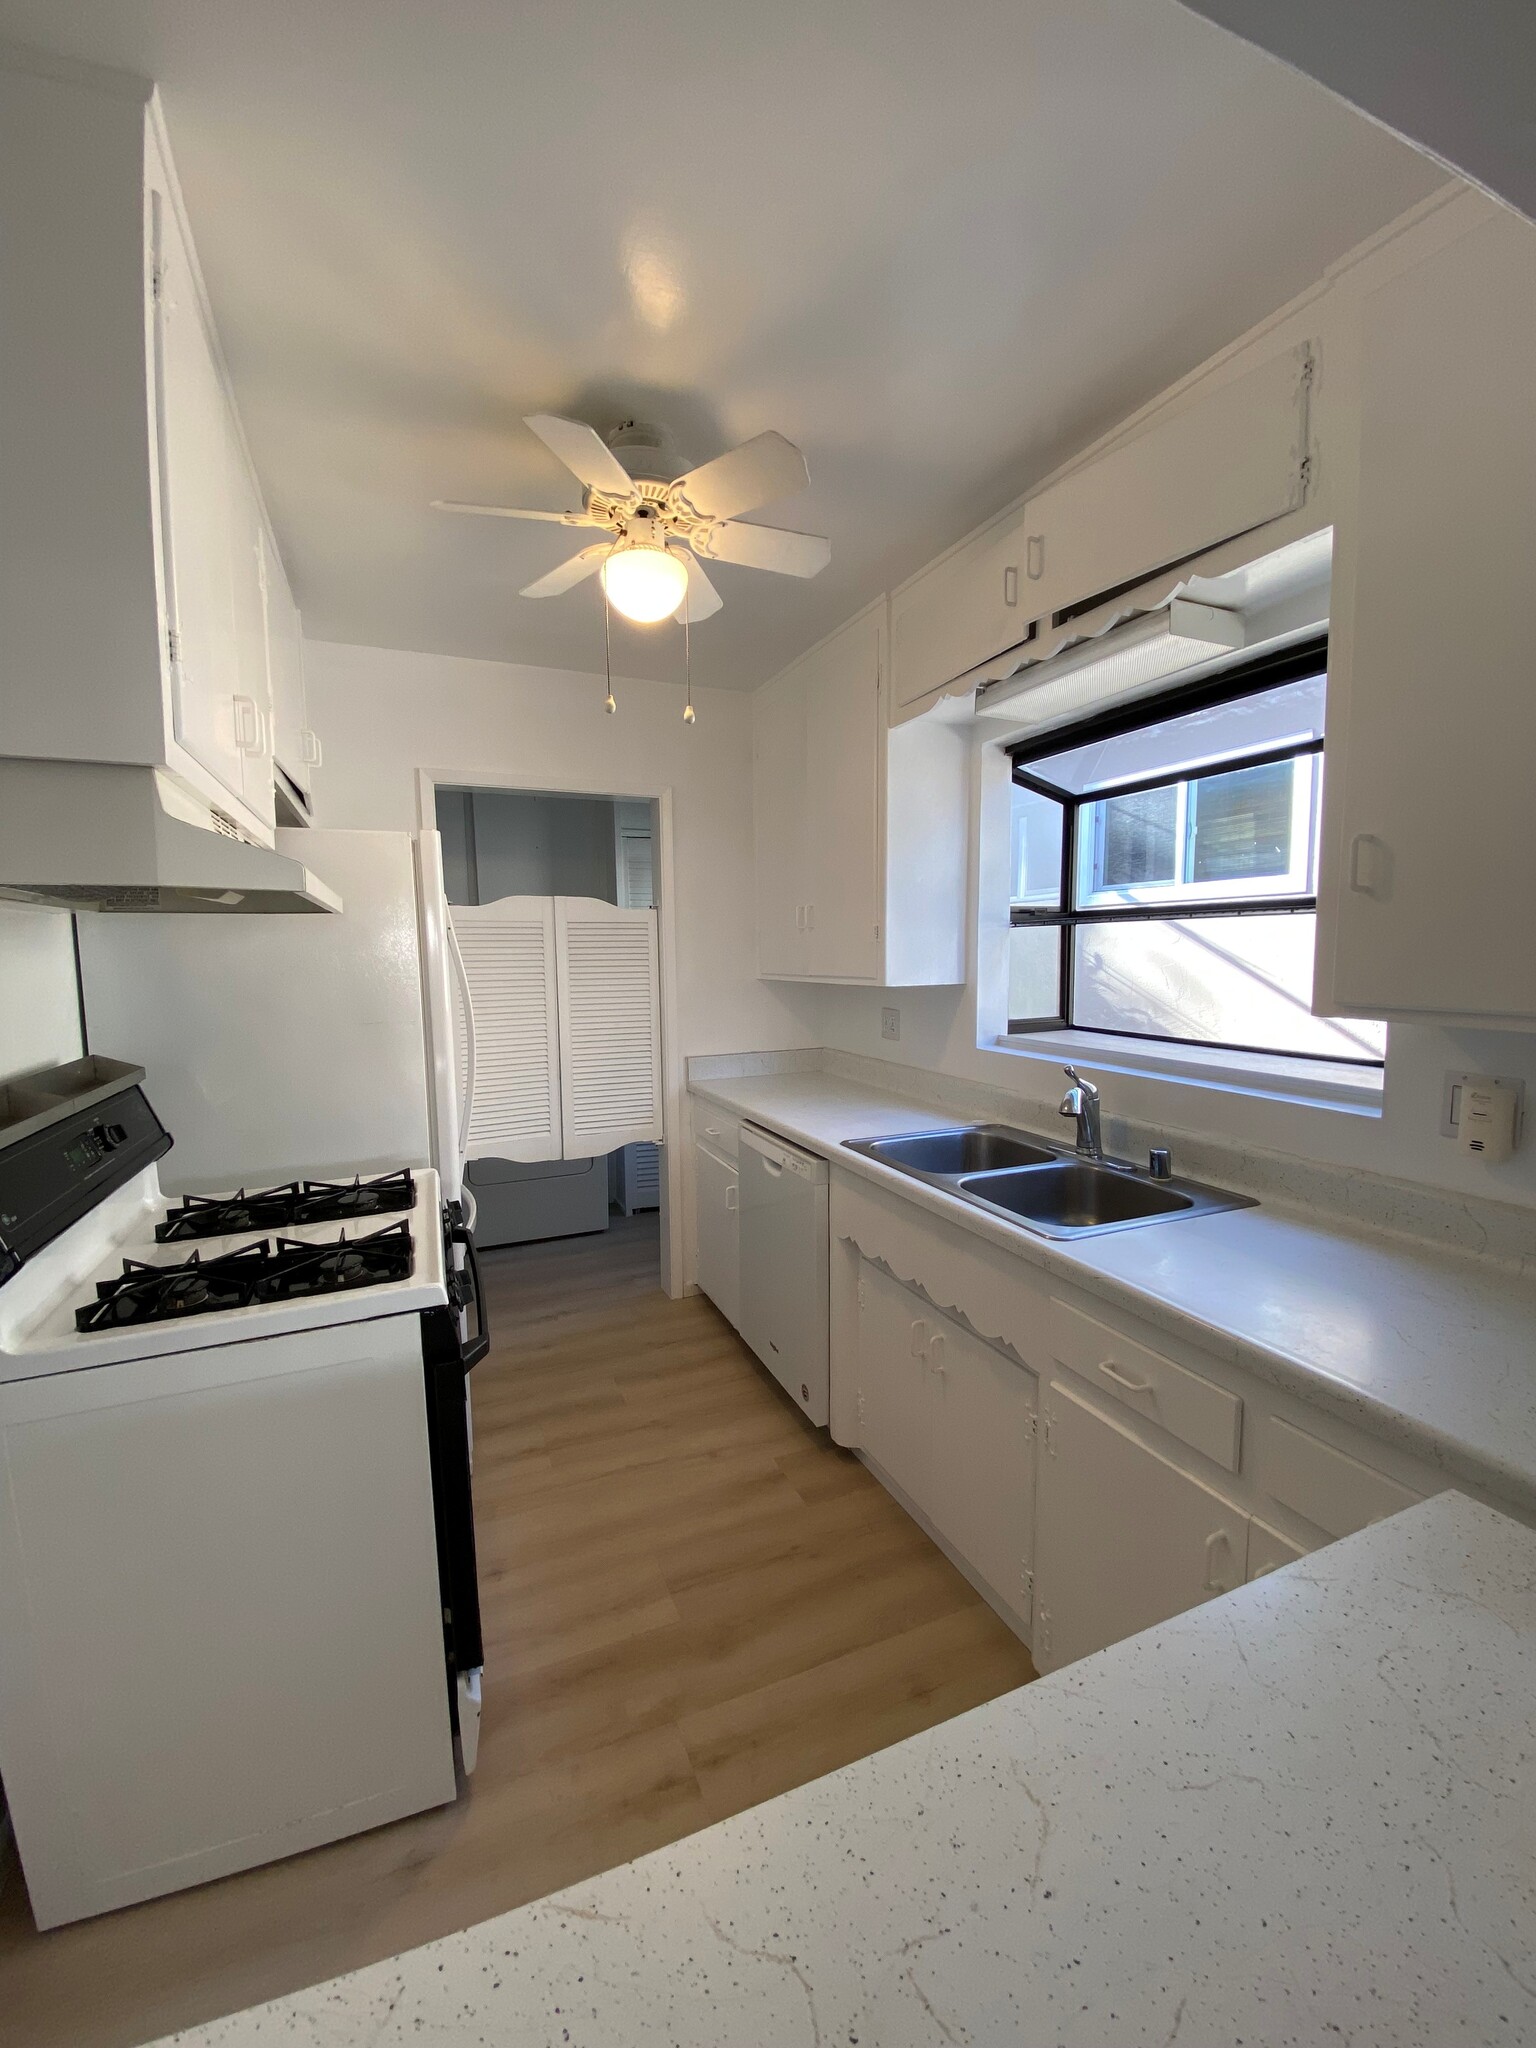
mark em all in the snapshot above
pixel 509 1045
pixel 609 1017
pixel 192 429
pixel 293 744
pixel 1268 1550
pixel 252 682
pixel 951 1421
pixel 842 759
pixel 1432 645
pixel 719 1240
pixel 778 820
pixel 895 1383
pixel 983 1476
pixel 1125 1539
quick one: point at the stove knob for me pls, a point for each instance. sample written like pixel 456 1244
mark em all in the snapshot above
pixel 111 1136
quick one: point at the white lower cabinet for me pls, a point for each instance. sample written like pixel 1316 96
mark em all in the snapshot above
pixel 951 1422
pixel 719 1238
pixel 1268 1550
pixel 1125 1538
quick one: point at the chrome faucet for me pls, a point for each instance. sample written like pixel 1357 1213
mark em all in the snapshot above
pixel 1082 1101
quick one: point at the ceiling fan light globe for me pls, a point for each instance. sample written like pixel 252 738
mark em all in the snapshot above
pixel 644 582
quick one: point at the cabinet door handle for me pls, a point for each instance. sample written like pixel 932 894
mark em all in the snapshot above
pixel 936 1352
pixel 711 1130
pixel 1370 864
pixel 310 751
pixel 1010 585
pixel 919 1339
pixel 810 917
pixel 1123 1379
pixel 250 726
pixel 1034 557
pixel 732 1196
pixel 1212 1584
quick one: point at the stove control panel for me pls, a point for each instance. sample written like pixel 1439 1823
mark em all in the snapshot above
pixel 51 1179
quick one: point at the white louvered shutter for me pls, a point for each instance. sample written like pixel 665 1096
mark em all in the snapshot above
pixel 610 1025
pixel 509 963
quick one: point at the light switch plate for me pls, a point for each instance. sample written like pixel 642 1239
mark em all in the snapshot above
pixel 1450 1102
pixel 890 1023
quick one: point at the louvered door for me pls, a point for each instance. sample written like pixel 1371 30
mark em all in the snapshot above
pixel 609 1025
pixel 508 949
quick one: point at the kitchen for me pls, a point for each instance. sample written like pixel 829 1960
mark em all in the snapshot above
pixel 974 1488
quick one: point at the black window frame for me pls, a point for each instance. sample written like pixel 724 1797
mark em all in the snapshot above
pixel 1267 672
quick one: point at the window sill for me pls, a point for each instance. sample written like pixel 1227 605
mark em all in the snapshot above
pixel 1314 1084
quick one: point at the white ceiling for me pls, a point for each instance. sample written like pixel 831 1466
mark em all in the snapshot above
pixel 937 246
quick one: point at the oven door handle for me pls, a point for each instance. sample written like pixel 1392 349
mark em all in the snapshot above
pixel 472 1349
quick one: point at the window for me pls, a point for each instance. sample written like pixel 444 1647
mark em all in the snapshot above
pixel 1164 870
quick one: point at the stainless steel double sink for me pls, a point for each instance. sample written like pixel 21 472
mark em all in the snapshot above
pixel 1046 1188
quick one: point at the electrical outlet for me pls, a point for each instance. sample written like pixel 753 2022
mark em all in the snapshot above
pixel 890 1023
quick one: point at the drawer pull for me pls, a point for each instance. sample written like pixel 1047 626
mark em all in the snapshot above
pixel 711 1130
pixel 1122 1379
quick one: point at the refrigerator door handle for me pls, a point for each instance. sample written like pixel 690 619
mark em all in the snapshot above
pixel 461 974
pixel 458 1232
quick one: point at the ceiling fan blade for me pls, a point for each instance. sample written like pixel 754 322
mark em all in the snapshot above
pixel 766 547
pixel 703 600
pixel 584 454
pixel 513 512
pixel 760 470
pixel 569 574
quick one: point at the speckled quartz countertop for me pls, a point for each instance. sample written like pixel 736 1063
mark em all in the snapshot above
pixel 1432 1350
pixel 1303 1813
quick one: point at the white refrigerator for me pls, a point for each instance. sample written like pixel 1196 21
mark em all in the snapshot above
pixel 276 1046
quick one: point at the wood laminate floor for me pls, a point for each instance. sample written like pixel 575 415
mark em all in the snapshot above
pixel 692 1601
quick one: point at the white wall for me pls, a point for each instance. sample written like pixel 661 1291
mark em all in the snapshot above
pixel 381 715
pixel 39 1012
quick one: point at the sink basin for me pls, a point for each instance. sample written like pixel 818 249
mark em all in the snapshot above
pixel 1072 1196
pixel 951 1153
pixel 1040 1186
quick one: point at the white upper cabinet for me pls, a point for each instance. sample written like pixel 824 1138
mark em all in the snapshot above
pixel 1213 464
pixel 1430 886
pixel 969 605
pixel 1222 462
pixel 134 623
pixel 841 808
pixel 295 749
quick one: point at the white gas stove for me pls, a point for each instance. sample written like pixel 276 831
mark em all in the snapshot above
pixel 144 1274
pixel 237 1567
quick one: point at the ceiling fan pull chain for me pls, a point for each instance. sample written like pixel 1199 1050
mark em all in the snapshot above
pixel 608 703
pixel 688 658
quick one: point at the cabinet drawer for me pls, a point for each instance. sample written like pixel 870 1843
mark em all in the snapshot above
pixel 1195 1410
pixel 1326 1487
pixel 716 1128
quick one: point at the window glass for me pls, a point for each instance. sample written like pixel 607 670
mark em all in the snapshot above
pixel 1238 981
pixel 1289 714
pixel 1036 849
pixel 1034 973
pixel 1136 839
pixel 1240 824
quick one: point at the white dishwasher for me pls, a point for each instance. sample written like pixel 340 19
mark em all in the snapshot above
pixel 784 1262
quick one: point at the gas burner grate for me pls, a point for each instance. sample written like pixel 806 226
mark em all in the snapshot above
pixel 309 1201
pixel 290 1270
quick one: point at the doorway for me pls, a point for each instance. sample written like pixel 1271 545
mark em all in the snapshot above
pixel 501 843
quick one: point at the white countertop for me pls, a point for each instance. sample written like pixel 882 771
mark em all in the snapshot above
pixel 1432 1350
pixel 1302 1813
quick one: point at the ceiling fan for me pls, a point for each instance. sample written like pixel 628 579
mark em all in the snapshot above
pixel 658 524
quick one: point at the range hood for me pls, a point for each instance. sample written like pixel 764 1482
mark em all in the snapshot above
pixel 93 835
